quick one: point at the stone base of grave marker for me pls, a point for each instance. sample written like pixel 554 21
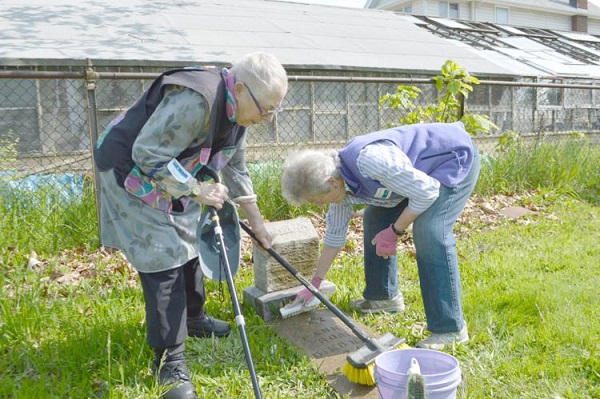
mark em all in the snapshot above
pixel 267 305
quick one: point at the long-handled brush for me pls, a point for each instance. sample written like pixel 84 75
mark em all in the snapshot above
pixel 360 367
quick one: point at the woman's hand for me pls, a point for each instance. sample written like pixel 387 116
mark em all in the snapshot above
pixel 265 239
pixel 305 295
pixel 210 194
pixel 385 242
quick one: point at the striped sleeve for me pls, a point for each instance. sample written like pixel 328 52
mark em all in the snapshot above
pixel 386 163
pixel 337 219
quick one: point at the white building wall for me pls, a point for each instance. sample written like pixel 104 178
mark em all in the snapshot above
pixel 594 27
pixel 419 7
pixel 519 17
pixel 485 12
pixel 432 8
pixel 464 11
pixel 526 18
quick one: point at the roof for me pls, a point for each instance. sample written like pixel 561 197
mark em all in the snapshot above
pixel 146 32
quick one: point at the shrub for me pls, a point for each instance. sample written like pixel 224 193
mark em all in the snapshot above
pixel 453 85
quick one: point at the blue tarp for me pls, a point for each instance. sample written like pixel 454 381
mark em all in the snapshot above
pixel 67 187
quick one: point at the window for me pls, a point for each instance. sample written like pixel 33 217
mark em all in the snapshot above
pixel 502 15
pixel 448 10
pixel 453 10
pixel 406 9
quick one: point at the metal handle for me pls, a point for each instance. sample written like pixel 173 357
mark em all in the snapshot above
pixel 239 317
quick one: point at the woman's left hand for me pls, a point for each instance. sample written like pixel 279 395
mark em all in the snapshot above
pixel 385 242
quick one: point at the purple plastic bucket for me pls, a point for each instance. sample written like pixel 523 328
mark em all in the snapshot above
pixel 440 370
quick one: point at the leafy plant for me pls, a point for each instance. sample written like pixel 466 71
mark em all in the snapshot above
pixel 453 85
pixel 8 150
pixel 510 141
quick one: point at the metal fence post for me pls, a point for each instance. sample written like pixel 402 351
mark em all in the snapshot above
pixel 90 85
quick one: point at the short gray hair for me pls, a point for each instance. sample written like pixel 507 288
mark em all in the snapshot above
pixel 263 73
pixel 306 172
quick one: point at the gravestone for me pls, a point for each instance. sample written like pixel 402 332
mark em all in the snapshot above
pixel 297 242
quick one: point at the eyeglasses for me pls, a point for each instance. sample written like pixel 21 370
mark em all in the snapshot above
pixel 263 112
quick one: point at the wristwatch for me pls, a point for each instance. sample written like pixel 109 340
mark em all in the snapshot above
pixel 197 189
pixel 399 233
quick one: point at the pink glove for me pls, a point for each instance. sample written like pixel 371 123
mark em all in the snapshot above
pixel 385 242
pixel 305 295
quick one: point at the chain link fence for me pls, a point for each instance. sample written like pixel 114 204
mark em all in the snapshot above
pixel 50 118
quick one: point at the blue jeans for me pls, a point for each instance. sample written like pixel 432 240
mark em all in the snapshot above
pixel 435 246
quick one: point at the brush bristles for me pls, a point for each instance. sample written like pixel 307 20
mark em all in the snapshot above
pixel 362 376
pixel 415 387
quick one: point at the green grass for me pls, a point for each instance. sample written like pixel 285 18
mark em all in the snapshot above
pixel 530 297
pixel 43 221
pixel 266 178
pixel 88 339
pixel 530 294
pixel 531 301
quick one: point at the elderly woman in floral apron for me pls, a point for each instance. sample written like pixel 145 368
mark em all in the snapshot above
pixel 149 163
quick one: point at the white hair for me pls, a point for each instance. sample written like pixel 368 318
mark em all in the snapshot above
pixel 306 173
pixel 263 73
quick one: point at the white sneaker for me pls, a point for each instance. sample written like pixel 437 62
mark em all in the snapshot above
pixel 438 341
pixel 394 305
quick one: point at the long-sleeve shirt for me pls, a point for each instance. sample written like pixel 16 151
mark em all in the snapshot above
pixel 172 128
pixel 386 163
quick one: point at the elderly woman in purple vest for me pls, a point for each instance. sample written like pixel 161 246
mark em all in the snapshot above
pixel 420 175
pixel 149 161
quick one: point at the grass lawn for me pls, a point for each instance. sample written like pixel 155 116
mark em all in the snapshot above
pixel 72 326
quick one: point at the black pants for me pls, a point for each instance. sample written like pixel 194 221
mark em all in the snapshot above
pixel 171 297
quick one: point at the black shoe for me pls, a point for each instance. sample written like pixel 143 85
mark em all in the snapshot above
pixel 205 326
pixel 173 372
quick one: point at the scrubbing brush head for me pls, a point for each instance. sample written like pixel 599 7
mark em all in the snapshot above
pixel 415 386
pixel 294 309
pixel 366 355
